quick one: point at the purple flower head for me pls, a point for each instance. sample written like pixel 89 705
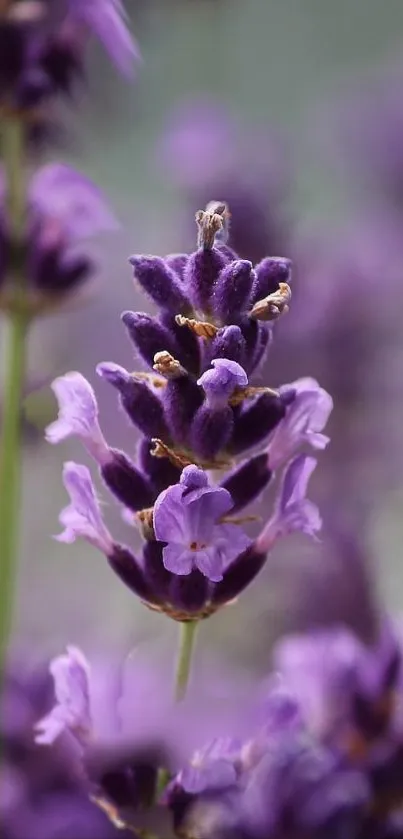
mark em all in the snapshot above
pixel 72 711
pixel 64 208
pixel 293 511
pixel 106 19
pixel 304 421
pixel 78 416
pixel 59 193
pixel 219 384
pixel 82 518
pixel 187 517
pixel 346 689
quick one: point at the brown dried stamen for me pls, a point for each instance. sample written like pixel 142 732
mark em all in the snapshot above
pixel 209 222
pixel 182 459
pixel 201 328
pixel 272 306
pixel 168 366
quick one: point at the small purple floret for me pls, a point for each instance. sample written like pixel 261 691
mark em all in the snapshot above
pixel 187 517
pixel 219 384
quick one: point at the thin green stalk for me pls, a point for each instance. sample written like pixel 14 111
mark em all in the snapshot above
pixel 184 661
pixel 15 329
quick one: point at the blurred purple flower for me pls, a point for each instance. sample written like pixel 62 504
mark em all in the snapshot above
pixel 106 19
pixel 73 711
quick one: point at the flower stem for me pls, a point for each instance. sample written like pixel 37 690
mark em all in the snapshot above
pixel 12 146
pixel 184 661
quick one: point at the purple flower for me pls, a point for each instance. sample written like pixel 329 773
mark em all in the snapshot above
pixel 219 384
pixel 187 516
pixel 304 421
pixel 82 518
pixel 78 416
pixel 107 20
pixel 72 711
pixel 70 201
pixel 344 687
pixel 212 767
pixel 293 511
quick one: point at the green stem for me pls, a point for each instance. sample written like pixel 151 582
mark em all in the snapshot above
pixel 12 144
pixel 184 661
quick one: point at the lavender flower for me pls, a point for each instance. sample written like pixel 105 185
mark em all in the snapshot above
pixel 186 517
pixel 64 209
pixel 269 786
pixel 197 409
pixel 42 51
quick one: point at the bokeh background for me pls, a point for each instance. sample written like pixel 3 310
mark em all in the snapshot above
pixel 293 112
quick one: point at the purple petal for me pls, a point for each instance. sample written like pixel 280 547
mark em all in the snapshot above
pixel 204 512
pixel 293 512
pixel 70 200
pixel 78 415
pixel 178 560
pixel 107 20
pixel 72 710
pixel 231 541
pixel 220 383
pixel 82 518
pixel 305 418
pixel 170 519
pixel 211 775
pixel 210 563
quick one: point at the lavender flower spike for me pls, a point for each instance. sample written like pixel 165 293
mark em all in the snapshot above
pixel 107 20
pixel 187 517
pixel 293 511
pixel 304 421
pixel 78 416
pixel 82 518
pixel 72 710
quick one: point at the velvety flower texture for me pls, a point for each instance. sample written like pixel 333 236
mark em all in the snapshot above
pixel 64 209
pixel 197 410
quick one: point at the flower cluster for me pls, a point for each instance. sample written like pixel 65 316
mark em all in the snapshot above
pixel 197 411
pixel 323 756
pixel 44 217
pixel 42 50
